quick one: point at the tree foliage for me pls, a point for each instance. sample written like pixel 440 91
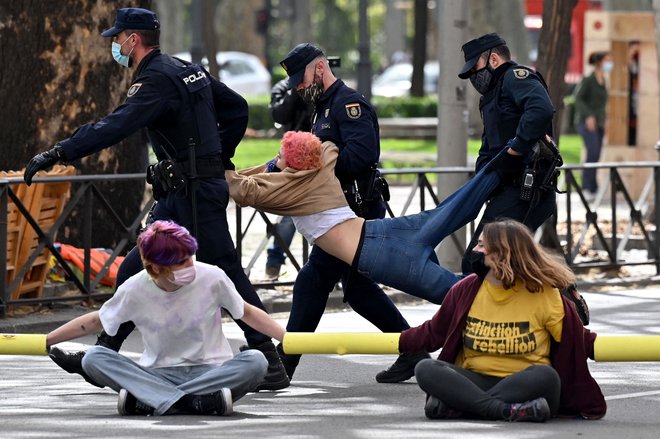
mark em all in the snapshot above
pixel 59 74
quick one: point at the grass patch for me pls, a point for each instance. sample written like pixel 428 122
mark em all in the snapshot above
pixel 253 152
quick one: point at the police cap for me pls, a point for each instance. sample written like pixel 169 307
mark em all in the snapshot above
pixel 295 62
pixel 133 18
pixel 473 48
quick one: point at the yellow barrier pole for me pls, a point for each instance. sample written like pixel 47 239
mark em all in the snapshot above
pixel 23 344
pixel 627 348
pixel 340 343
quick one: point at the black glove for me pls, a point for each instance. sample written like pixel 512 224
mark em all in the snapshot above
pixel 42 161
pixel 508 166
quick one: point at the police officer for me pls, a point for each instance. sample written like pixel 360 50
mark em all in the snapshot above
pixel 194 124
pixel 344 117
pixel 516 112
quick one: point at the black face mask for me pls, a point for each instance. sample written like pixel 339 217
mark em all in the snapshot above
pixel 478 265
pixel 482 80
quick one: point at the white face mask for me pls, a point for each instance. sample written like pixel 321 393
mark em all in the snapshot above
pixel 175 279
pixel 608 66
pixel 183 276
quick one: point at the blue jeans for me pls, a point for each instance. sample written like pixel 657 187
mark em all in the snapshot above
pixel 161 387
pixel 286 229
pixel 593 142
pixel 400 252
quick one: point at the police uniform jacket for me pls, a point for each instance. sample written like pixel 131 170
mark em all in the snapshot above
pixel 516 113
pixel 344 117
pixel 159 101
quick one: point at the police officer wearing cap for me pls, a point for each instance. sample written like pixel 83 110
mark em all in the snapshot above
pixel 194 124
pixel 343 116
pixel 516 112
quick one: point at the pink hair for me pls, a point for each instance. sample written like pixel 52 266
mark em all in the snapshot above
pixel 301 150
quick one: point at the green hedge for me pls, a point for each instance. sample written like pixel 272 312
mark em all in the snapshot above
pixel 385 107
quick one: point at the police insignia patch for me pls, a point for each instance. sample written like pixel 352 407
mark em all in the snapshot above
pixel 520 73
pixel 327 112
pixel 133 89
pixel 353 110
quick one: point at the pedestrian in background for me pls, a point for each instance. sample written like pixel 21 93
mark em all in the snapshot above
pixel 590 114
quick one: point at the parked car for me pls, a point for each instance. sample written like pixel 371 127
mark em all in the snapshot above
pixel 395 81
pixel 242 72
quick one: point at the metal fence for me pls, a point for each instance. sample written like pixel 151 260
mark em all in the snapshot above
pixel 613 220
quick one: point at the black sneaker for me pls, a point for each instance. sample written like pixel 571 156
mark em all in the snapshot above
pixel 402 369
pixel 129 405
pixel 276 377
pixel 536 410
pixel 71 362
pixel 436 409
pixel 219 403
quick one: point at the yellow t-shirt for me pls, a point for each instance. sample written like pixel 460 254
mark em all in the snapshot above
pixel 509 330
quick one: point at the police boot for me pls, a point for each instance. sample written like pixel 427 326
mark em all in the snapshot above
pixel 289 361
pixel 402 369
pixel 276 377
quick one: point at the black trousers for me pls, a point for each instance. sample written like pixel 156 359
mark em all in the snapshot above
pixel 484 396
pixel 215 247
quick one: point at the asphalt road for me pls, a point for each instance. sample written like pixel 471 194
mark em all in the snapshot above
pixel 334 396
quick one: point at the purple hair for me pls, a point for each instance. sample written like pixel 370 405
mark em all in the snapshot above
pixel 166 243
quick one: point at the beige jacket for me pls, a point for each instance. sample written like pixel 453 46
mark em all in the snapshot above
pixel 289 192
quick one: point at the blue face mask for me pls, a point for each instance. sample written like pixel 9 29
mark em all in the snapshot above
pixel 608 66
pixel 123 60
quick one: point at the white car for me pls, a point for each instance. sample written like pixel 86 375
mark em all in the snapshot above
pixel 242 72
pixel 395 81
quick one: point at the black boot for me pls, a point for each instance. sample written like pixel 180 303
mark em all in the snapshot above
pixel 290 361
pixel 276 377
pixel 402 369
pixel 71 362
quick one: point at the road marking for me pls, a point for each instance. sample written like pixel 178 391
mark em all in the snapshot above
pixel 632 395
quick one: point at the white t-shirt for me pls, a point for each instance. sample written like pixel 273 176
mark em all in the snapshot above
pixel 317 224
pixel 179 328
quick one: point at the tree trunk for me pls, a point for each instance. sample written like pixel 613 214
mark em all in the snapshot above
pixel 62 75
pixel 419 48
pixel 554 48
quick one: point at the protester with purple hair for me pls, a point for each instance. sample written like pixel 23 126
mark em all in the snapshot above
pixel 187 364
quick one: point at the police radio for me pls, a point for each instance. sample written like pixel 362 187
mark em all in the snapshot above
pixel 527 187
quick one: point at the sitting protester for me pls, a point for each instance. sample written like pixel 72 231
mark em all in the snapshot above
pixel 176 302
pixel 513 347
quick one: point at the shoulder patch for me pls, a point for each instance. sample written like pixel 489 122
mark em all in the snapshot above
pixel 520 73
pixel 133 89
pixel 353 110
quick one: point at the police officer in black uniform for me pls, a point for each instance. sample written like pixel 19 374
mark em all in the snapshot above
pixel 516 112
pixel 344 117
pixel 194 124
